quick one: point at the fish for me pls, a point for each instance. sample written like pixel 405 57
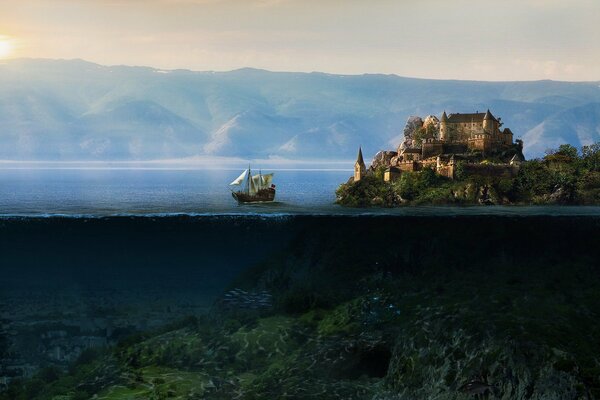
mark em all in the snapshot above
pixel 475 387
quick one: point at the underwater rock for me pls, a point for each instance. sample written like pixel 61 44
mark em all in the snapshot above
pixel 475 387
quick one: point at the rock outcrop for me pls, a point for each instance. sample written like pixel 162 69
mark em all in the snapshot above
pixel 383 159
pixel 433 122
pixel 413 123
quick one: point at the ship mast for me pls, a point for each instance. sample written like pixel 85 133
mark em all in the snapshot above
pixel 248 181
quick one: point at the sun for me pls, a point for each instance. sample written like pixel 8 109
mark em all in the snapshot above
pixel 6 47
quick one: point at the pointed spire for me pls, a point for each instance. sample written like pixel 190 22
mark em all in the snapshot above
pixel 488 115
pixel 444 117
pixel 359 159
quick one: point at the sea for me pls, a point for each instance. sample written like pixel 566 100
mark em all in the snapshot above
pixel 341 303
pixel 108 191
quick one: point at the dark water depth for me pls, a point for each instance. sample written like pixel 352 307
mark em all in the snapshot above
pixel 428 303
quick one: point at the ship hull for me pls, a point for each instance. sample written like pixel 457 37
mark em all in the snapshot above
pixel 262 196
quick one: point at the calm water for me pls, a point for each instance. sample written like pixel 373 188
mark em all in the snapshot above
pixel 102 192
pixel 143 191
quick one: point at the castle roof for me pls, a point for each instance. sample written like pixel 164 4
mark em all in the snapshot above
pixel 444 116
pixel 470 117
pixel 359 159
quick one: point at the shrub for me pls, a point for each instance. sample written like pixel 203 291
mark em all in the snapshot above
pixel 361 193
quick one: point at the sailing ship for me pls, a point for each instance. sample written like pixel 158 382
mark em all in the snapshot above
pixel 257 188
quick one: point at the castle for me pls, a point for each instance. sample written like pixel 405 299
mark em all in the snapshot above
pixel 441 143
pixel 460 133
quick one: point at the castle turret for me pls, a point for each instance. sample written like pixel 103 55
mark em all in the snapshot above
pixel 451 167
pixel 488 122
pixel 359 166
pixel 444 137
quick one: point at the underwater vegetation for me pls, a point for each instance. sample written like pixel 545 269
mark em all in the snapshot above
pixel 376 308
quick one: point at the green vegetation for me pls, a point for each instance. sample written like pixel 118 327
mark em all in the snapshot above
pixel 563 176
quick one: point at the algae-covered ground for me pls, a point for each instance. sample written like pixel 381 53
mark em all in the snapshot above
pixel 378 308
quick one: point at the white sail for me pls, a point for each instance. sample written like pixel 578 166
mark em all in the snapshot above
pixel 267 180
pixel 240 179
pixel 257 182
pixel 262 181
pixel 253 186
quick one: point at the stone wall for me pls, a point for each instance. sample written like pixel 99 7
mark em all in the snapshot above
pixel 432 148
pixel 495 170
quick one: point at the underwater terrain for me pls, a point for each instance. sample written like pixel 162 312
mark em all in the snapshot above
pixel 436 306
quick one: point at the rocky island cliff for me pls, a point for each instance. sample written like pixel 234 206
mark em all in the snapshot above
pixel 468 159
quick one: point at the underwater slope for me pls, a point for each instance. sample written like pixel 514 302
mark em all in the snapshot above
pixel 364 308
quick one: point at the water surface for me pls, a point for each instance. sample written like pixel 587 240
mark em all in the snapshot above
pixel 122 191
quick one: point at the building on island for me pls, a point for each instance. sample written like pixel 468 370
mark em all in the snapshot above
pixel 441 144
pixel 360 169
pixel 459 133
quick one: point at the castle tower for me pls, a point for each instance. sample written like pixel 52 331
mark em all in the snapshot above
pixel 451 167
pixel 488 122
pixel 444 136
pixel 359 166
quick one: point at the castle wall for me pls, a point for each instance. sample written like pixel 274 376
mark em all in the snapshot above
pixel 391 174
pixel 495 170
pixel 409 166
pixel 455 148
pixel 446 170
pixel 481 143
pixel 430 162
pixel 462 131
pixel 432 148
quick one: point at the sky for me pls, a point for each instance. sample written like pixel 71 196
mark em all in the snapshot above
pixel 442 39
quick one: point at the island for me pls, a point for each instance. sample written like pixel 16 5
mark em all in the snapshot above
pixel 468 159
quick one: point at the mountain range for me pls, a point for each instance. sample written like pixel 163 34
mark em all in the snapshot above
pixel 76 110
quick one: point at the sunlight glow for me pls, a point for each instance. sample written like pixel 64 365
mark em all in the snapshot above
pixel 6 47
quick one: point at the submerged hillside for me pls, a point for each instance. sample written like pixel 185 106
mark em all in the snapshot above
pixel 75 110
pixel 376 308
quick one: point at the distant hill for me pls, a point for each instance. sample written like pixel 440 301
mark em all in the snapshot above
pixel 76 110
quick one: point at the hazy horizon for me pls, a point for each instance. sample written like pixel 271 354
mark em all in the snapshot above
pixel 17 59
pixel 464 40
